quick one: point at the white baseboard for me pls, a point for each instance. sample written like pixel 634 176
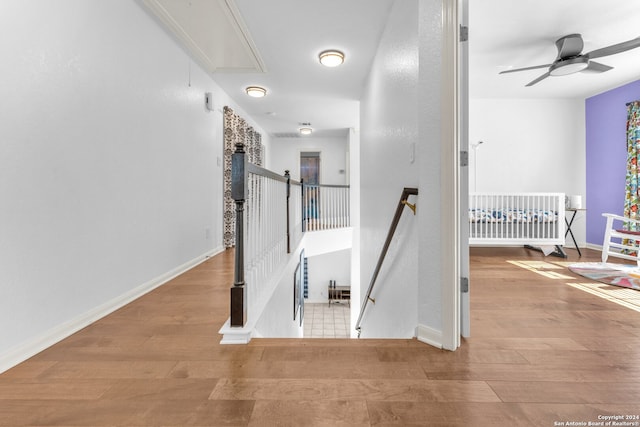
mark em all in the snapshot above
pixel 594 247
pixel 27 349
pixel 316 301
pixel 235 335
pixel 429 336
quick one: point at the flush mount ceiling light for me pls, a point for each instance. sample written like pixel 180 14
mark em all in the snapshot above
pixel 256 91
pixel 331 58
pixel 305 131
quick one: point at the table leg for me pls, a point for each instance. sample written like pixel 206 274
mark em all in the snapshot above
pixel 569 231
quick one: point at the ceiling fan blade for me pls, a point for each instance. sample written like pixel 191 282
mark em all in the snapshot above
pixel 596 67
pixel 542 77
pixel 615 48
pixel 535 67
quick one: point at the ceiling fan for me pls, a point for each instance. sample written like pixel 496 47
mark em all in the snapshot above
pixel 570 59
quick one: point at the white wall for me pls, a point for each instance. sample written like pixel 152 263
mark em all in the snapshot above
pixel 284 154
pixel 329 255
pixel 529 145
pixel 354 181
pixel 330 266
pixel 389 133
pixel 275 318
pixel 110 175
pixel 430 271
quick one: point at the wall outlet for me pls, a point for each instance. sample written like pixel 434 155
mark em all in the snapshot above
pixel 207 233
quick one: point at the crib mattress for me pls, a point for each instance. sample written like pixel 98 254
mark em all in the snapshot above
pixel 519 216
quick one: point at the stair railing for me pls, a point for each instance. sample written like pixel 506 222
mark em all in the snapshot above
pixel 270 221
pixel 262 237
pixel 406 192
pixel 326 207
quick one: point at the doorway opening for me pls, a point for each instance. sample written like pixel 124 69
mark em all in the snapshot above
pixel 310 176
pixel 310 167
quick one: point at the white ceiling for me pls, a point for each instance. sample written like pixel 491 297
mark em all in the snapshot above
pixel 522 33
pixel 289 34
pixel 275 44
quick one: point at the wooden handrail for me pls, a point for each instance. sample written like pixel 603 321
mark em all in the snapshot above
pixel 406 192
pixel 326 186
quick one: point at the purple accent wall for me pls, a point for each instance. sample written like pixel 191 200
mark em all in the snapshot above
pixel 606 152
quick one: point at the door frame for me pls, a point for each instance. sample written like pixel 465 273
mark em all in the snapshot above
pixel 454 101
pixel 463 116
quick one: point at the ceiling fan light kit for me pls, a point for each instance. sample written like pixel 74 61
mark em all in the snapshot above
pixel 569 66
pixel 571 60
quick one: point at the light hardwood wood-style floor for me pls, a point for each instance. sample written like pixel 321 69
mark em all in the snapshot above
pixel 542 353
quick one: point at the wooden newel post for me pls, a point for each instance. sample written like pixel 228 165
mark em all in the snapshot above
pixel 288 176
pixel 239 195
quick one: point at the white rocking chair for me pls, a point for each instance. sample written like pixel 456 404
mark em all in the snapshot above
pixel 619 249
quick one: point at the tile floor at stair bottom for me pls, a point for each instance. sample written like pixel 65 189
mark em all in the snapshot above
pixel 327 321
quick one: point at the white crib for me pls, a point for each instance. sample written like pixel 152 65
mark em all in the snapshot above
pixel 509 219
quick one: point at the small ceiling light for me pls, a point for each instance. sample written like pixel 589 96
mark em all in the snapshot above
pixel 331 58
pixel 256 91
pixel 305 131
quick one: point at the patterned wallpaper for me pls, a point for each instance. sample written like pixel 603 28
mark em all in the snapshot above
pixel 236 130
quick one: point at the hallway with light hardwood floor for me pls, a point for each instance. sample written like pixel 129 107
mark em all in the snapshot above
pixel 542 353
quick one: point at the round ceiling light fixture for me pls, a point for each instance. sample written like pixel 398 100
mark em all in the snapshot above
pixel 331 58
pixel 306 131
pixel 256 91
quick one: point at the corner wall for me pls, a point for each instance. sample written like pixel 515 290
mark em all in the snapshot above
pixel 606 156
pixel 532 145
pixel 388 162
pixel 323 268
pixel 430 272
pixel 285 155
